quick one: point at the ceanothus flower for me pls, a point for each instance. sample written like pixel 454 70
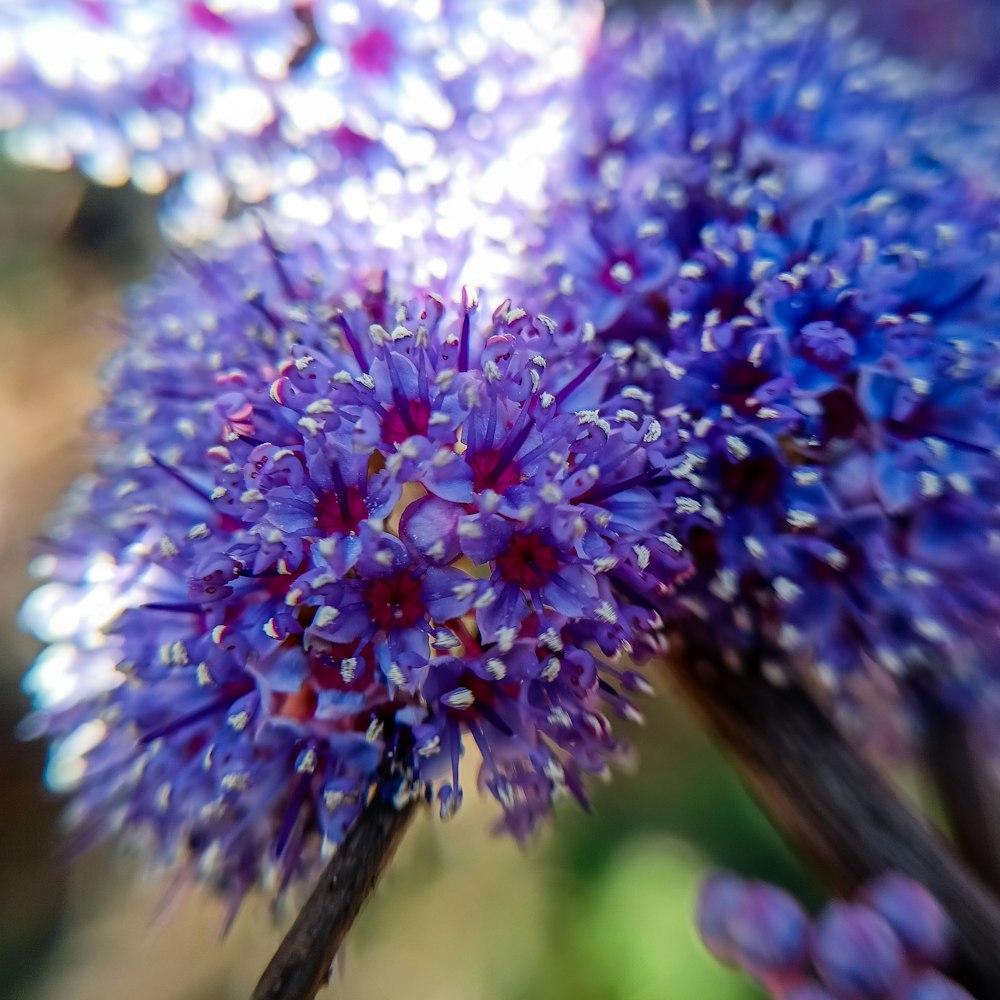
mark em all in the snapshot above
pixel 334 532
pixel 247 99
pixel 791 245
pixel 886 945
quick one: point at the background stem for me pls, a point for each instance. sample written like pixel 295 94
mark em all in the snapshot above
pixel 833 807
pixel 960 767
pixel 301 966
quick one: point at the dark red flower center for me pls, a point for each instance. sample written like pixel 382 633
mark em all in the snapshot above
pixel 486 475
pixel 402 422
pixel 396 601
pixel 340 513
pixel 529 562
pixel 757 480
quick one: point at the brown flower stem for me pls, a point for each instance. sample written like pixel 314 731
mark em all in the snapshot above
pixel 833 807
pixel 301 965
pixel 966 788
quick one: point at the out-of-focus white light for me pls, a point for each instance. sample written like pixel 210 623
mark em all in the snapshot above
pixel 66 765
pixel 242 109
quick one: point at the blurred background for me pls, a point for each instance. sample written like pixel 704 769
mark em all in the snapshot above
pixel 600 908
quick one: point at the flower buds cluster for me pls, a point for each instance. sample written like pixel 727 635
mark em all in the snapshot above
pixel 886 945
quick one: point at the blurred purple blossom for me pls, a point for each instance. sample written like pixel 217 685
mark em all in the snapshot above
pixel 790 244
pixel 873 949
pixel 236 102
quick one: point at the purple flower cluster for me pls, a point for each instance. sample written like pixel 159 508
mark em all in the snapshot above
pixel 888 945
pixel 344 523
pixel 790 244
pixel 256 98
pixel 334 531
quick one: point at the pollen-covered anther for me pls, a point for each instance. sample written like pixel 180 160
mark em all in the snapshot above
pixel 559 717
pixel 605 612
pixel 307 761
pixel 485 599
pixel 787 590
pixel 325 616
pixel 239 721
pixel 461 698
pixel 738 448
pixel 801 518
pixel 551 669
pixel 552 640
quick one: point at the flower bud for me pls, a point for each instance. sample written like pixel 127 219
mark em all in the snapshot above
pixel 856 952
pixel 916 917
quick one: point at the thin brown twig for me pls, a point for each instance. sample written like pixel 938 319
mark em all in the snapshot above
pixel 301 965
pixel 833 807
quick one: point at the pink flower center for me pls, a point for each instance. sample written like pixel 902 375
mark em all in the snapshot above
pixel 373 52
pixel 402 423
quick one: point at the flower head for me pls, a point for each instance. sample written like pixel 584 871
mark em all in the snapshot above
pixel 335 532
pixel 790 244
pixel 887 943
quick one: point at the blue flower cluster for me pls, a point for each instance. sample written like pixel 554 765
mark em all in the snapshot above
pixel 337 531
pixel 791 245
pixel 888 945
